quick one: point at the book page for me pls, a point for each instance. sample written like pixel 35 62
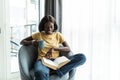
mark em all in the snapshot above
pixel 57 63
pixel 60 60
pixel 48 61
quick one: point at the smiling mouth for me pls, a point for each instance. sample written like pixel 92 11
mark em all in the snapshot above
pixel 49 32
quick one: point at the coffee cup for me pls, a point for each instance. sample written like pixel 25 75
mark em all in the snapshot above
pixel 41 44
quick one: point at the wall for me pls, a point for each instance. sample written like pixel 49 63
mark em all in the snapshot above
pixel 5 73
pixel 3 50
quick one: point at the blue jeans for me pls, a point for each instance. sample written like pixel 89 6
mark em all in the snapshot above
pixel 42 72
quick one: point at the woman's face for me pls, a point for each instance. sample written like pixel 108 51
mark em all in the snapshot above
pixel 49 27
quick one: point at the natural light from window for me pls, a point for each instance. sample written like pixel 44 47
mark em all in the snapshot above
pixel 92 27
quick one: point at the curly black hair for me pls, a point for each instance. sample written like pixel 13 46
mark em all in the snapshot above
pixel 46 19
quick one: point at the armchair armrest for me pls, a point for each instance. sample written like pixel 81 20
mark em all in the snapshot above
pixel 27 56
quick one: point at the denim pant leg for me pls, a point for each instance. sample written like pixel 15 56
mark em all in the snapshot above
pixel 76 60
pixel 41 71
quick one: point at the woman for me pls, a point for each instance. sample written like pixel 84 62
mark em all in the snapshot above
pixel 48 33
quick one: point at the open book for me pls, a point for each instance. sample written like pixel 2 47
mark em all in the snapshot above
pixel 55 64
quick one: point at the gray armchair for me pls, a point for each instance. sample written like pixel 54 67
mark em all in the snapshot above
pixel 27 57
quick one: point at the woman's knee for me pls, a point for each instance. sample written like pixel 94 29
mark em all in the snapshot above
pixel 81 57
pixel 40 69
pixel 41 73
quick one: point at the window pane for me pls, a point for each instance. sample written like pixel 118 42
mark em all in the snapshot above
pixel 23 22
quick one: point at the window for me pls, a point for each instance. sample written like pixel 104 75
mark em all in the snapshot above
pixel 24 19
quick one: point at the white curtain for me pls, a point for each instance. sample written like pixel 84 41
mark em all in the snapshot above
pixel 92 27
